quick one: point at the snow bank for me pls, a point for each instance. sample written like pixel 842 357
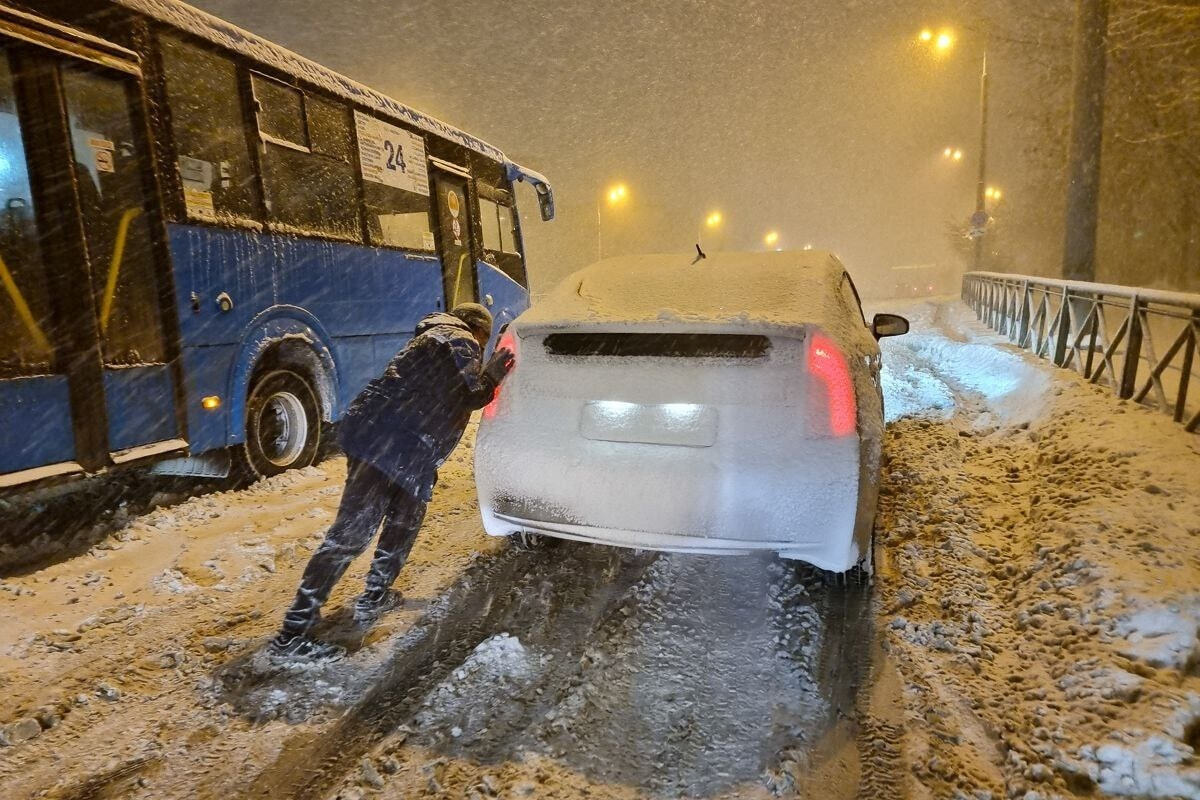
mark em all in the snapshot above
pixel 1040 572
pixel 1011 386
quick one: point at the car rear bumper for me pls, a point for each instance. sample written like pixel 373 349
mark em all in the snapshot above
pixel 818 554
pixel 693 500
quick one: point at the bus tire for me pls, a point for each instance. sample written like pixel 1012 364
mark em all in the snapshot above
pixel 283 425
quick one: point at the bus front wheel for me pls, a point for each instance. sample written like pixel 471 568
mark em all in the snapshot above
pixel 283 425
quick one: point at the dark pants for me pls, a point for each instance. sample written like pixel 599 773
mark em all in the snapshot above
pixel 369 499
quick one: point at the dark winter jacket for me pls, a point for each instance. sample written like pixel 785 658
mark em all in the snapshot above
pixel 406 422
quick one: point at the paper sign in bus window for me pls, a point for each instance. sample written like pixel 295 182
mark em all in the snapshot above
pixel 195 173
pixel 391 155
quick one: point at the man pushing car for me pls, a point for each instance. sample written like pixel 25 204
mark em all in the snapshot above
pixel 398 431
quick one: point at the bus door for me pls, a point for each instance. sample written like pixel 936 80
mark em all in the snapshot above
pixel 85 378
pixel 35 419
pixel 454 233
pixel 111 166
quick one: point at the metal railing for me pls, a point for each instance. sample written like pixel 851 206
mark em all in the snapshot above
pixel 1109 334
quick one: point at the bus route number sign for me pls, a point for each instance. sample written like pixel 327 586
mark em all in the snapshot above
pixel 391 155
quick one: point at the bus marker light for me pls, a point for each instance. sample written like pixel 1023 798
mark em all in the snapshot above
pixel 210 403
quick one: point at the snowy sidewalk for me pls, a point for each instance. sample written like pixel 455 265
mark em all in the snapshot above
pixel 1040 585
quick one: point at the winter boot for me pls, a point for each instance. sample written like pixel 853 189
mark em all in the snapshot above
pixel 298 647
pixel 374 602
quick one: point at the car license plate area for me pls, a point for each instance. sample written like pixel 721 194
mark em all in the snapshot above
pixel 678 424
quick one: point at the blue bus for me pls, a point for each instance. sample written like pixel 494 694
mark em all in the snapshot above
pixel 209 244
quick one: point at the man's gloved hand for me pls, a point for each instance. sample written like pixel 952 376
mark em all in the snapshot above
pixel 500 364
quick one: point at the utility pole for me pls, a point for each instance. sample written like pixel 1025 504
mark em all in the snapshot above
pixel 1087 127
pixel 981 184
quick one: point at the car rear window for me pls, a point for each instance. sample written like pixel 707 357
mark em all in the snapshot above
pixel 658 345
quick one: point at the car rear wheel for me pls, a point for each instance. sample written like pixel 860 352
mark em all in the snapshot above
pixel 283 425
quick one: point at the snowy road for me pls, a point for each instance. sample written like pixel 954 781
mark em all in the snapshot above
pixel 1033 628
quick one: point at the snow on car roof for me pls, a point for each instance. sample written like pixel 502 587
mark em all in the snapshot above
pixel 725 290
pixel 225 34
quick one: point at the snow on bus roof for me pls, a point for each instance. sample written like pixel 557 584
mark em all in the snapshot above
pixel 725 290
pixel 227 35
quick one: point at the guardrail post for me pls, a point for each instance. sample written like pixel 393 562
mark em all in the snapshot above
pixel 1133 349
pixel 1063 335
pixel 1094 314
pixel 1006 320
pixel 1023 323
pixel 1185 368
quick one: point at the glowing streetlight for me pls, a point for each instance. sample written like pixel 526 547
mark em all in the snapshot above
pixel 771 239
pixel 942 43
pixel 712 221
pixel 615 195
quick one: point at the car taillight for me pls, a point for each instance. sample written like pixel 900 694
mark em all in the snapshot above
pixel 827 364
pixel 509 341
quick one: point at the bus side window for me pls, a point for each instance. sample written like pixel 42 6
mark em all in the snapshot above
pixel 307 172
pixel 109 174
pixel 25 348
pixel 499 236
pixel 497 224
pixel 395 185
pixel 215 166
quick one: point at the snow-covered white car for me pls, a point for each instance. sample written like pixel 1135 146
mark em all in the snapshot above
pixel 723 406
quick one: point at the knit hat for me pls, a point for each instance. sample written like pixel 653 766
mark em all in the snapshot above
pixel 478 318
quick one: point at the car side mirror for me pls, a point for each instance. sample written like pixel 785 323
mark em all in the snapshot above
pixel 888 325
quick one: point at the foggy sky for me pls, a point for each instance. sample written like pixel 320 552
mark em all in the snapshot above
pixel 821 120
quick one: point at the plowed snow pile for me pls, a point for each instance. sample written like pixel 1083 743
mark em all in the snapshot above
pixel 1041 578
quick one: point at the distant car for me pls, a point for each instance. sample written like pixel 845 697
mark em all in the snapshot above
pixel 725 406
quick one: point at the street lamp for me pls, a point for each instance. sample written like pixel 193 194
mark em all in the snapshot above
pixel 615 195
pixel 942 44
pixel 771 239
pixel 712 221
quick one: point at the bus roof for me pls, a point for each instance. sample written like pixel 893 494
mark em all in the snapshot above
pixel 227 35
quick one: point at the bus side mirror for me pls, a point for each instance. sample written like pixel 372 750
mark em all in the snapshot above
pixel 545 193
pixel 545 201
pixel 888 325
